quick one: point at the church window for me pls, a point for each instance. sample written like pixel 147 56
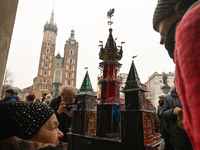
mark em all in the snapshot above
pixel 70 61
pixel 47 57
pixel 69 82
pixel 70 67
pixel 69 75
pixel 47 50
pixel 71 52
pixel 58 75
pixel 49 35
pixel 45 72
pixel 46 65
pixel 48 44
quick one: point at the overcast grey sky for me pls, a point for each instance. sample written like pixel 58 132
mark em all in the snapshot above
pixel 132 24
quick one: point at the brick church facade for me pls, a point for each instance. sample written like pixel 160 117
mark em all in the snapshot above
pixel 54 70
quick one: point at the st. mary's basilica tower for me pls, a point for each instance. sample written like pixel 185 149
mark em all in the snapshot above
pixel 54 70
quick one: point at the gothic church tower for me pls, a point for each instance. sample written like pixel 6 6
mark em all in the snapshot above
pixel 55 70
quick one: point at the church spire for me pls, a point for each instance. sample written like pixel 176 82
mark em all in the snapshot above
pixel 51 25
pixel 52 17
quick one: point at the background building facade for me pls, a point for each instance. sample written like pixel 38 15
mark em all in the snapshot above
pixel 155 83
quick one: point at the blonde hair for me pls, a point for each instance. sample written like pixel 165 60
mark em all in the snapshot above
pixel 68 88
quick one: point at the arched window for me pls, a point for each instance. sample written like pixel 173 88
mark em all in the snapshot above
pixel 46 65
pixel 69 75
pixel 47 50
pixel 48 44
pixel 70 61
pixel 69 82
pixel 71 52
pixel 70 67
pixel 45 72
pixel 58 75
pixel 47 57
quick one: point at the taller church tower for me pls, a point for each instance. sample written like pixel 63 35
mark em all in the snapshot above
pixel 54 71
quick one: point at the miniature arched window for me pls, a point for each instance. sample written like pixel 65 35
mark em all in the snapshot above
pixel 70 67
pixel 69 82
pixel 47 57
pixel 46 65
pixel 69 75
pixel 58 75
pixel 47 50
pixel 44 81
pixel 71 52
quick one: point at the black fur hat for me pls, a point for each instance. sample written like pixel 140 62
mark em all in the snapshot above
pixel 166 8
pixel 22 119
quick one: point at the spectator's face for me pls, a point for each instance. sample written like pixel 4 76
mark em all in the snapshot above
pixel 7 95
pixel 161 98
pixel 67 97
pixel 163 28
pixel 49 132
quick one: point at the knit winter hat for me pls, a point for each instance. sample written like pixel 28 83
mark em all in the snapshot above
pixel 166 8
pixel 22 119
pixel 11 91
pixel 162 95
pixel 31 97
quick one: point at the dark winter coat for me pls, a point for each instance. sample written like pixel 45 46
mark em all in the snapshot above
pixel 156 121
pixel 159 116
pixel 179 137
pixel 12 98
pixel 63 119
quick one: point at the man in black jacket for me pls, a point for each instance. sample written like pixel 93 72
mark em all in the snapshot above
pixel 171 109
pixel 59 104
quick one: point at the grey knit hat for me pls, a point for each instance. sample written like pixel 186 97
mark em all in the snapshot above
pixel 166 8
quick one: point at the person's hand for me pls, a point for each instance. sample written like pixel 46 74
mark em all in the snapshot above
pixel 178 111
pixel 62 108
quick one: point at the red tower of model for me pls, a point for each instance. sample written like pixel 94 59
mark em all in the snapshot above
pixel 109 82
